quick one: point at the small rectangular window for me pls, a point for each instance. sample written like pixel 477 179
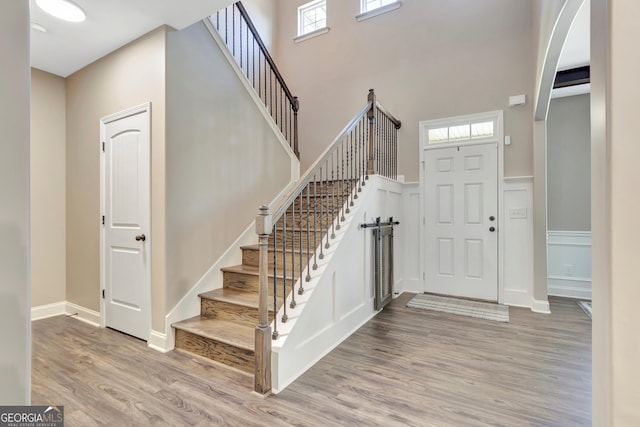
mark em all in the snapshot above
pixel 369 5
pixel 464 132
pixel 312 16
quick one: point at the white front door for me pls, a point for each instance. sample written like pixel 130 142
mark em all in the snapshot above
pixel 461 210
pixel 126 230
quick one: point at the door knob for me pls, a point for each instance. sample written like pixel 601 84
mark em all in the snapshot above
pixel 492 229
pixel 141 237
pixel 492 218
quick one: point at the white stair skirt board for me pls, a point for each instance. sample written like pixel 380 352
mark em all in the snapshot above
pixel 569 264
pixel 329 311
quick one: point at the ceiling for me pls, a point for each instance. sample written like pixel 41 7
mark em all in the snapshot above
pixel 576 51
pixel 67 47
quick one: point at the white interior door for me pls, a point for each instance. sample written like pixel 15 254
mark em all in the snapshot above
pixel 461 210
pixel 126 209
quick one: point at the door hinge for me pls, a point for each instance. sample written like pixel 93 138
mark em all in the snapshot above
pixel 103 144
pixel 102 219
pixel 424 276
pixel 103 294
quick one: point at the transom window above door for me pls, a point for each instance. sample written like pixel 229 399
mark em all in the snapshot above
pixel 312 17
pixel 461 132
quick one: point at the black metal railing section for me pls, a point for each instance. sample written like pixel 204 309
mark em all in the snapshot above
pixel 241 37
pixel 295 234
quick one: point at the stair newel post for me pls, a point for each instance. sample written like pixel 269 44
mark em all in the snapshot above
pixel 263 337
pixel 371 169
pixel 296 107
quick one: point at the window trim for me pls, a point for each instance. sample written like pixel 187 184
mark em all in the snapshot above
pixel 378 11
pixel 302 9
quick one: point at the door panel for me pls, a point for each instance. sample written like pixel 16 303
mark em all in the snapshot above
pixel 127 258
pixel 461 194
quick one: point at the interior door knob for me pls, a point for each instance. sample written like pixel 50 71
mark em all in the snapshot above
pixel 141 237
pixel 492 218
pixel 492 229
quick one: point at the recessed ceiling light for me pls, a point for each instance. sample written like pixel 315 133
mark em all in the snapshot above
pixel 38 27
pixel 62 9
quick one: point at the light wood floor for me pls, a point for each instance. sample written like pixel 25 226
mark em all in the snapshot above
pixel 405 367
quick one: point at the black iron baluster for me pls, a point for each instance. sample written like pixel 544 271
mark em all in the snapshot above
pixel 315 220
pixel 275 285
pixel 284 268
pixel 293 253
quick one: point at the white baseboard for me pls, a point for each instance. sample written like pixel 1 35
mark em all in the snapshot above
pixel 569 287
pixel 516 298
pixel 539 306
pixel 48 310
pixel 159 342
pixel 67 308
pixel 84 314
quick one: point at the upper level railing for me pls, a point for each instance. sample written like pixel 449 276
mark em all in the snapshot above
pixel 302 226
pixel 241 37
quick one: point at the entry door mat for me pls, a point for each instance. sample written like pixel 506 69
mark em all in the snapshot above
pixel 585 306
pixel 477 309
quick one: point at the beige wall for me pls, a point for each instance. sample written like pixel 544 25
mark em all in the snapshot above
pixel 130 76
pixel 427 60
pixel 263 16
pixel 48 248
pixel 223 160
pixel 615 205
pixel 15 292
pixel 569 164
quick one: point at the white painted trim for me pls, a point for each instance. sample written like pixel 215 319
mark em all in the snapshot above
pixel 379 11
pixel 84 314
pixel 68 309
pixel 517 243
pixel 564 92
pixel 48 310
pixel 569 249
pixel 516 179
pixel 159 342
pixel 498 139
pixel 538 306
pixel 295 163
pixel 312 34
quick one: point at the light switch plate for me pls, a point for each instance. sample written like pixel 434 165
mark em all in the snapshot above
pixel 517 213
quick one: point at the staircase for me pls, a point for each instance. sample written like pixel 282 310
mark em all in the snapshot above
pixel 225 329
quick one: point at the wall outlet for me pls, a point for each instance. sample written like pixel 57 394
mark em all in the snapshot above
pixel 517 213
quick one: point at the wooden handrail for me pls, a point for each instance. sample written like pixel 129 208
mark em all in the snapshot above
pixel 265 52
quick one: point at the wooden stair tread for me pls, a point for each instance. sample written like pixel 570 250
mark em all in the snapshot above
pixel 237 297
pixel 250 270
pixel 220 330
pixel 257 248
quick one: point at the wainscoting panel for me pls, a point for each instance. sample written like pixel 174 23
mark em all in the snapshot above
pixel 409 230
pixel 516 239
pixel 569 264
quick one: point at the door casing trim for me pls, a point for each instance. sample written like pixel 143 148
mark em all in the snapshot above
pixel 423 147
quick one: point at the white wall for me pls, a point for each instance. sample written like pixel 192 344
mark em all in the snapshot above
pixel 48 194
pixel 615 203
pixel 428 59
pixel 15 290
pixel 223 158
